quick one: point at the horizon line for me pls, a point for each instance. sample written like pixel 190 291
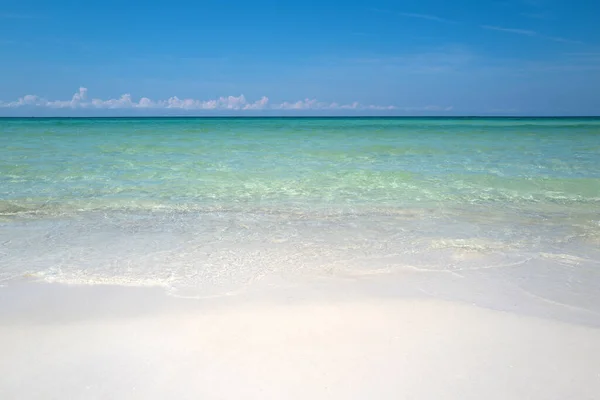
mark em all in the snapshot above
pixel 294 116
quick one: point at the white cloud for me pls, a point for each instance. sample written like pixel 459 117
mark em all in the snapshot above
pixel 313 104
pixel 426 16
pixel 429 108
pixel 306 104
pixel 510 30
pixel 80 100
pixel 416 15
pixel 528 32
pixel 258 105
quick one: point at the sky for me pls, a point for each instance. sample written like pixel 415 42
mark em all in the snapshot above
pixel 426 57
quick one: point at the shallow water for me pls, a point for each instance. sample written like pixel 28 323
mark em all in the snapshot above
pixel 211 206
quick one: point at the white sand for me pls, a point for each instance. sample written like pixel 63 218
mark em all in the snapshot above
pixel 136 344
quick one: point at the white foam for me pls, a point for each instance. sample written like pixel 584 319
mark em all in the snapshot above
pixel 207 254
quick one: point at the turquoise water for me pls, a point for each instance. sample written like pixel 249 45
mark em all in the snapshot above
pixel 198 203
pixel 85 164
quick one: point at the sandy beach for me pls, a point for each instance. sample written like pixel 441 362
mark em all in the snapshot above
pixel 103 342
pixel 300 258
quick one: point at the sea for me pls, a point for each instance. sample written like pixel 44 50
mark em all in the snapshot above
pixel 468 208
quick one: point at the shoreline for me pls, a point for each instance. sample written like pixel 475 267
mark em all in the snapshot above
pixel 499 289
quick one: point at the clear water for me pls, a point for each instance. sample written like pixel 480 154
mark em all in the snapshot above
pixel 62 165
pixel 207 206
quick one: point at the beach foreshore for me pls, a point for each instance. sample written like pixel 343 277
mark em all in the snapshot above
pixel 109 342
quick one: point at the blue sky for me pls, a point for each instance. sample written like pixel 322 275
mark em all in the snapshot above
pixel 427 57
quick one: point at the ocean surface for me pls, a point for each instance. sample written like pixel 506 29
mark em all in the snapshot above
pixel 212 206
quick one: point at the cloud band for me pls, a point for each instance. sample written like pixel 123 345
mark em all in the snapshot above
pixel 80 101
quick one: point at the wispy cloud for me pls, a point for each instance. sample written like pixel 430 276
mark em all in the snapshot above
pixel 527 32
pixel 427 17
pixel 510 30
pixel 436 60
pixel 561 40
pixel 588 54
pixel 569 62
pixel 81 101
